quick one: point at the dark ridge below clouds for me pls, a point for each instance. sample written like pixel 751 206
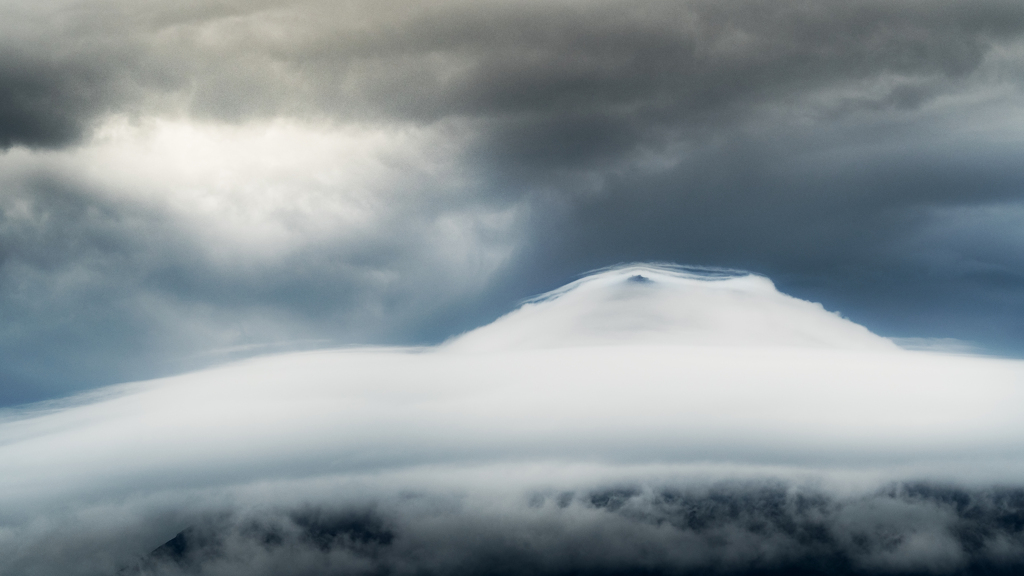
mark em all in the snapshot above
pixel 764 529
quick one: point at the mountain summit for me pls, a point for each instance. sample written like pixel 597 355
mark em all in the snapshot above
pixel 657 304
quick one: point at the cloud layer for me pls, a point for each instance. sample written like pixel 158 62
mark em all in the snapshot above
pixel 762 433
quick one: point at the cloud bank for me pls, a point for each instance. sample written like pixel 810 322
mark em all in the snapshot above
pixel 646 418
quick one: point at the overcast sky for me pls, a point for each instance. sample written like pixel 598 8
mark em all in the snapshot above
pixel 183 183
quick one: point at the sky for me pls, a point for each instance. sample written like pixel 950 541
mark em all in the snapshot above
pixel 187 183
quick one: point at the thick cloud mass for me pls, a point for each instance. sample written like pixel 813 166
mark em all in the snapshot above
pixel 644 419
pixel 185 182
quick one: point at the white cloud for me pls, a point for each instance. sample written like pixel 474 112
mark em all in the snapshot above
pixel 197 236
pixel 264 189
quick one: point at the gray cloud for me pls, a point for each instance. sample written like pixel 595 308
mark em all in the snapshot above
pixel 607 65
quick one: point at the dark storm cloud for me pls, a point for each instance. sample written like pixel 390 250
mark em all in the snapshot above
pixel 44 108
pixel 601 71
